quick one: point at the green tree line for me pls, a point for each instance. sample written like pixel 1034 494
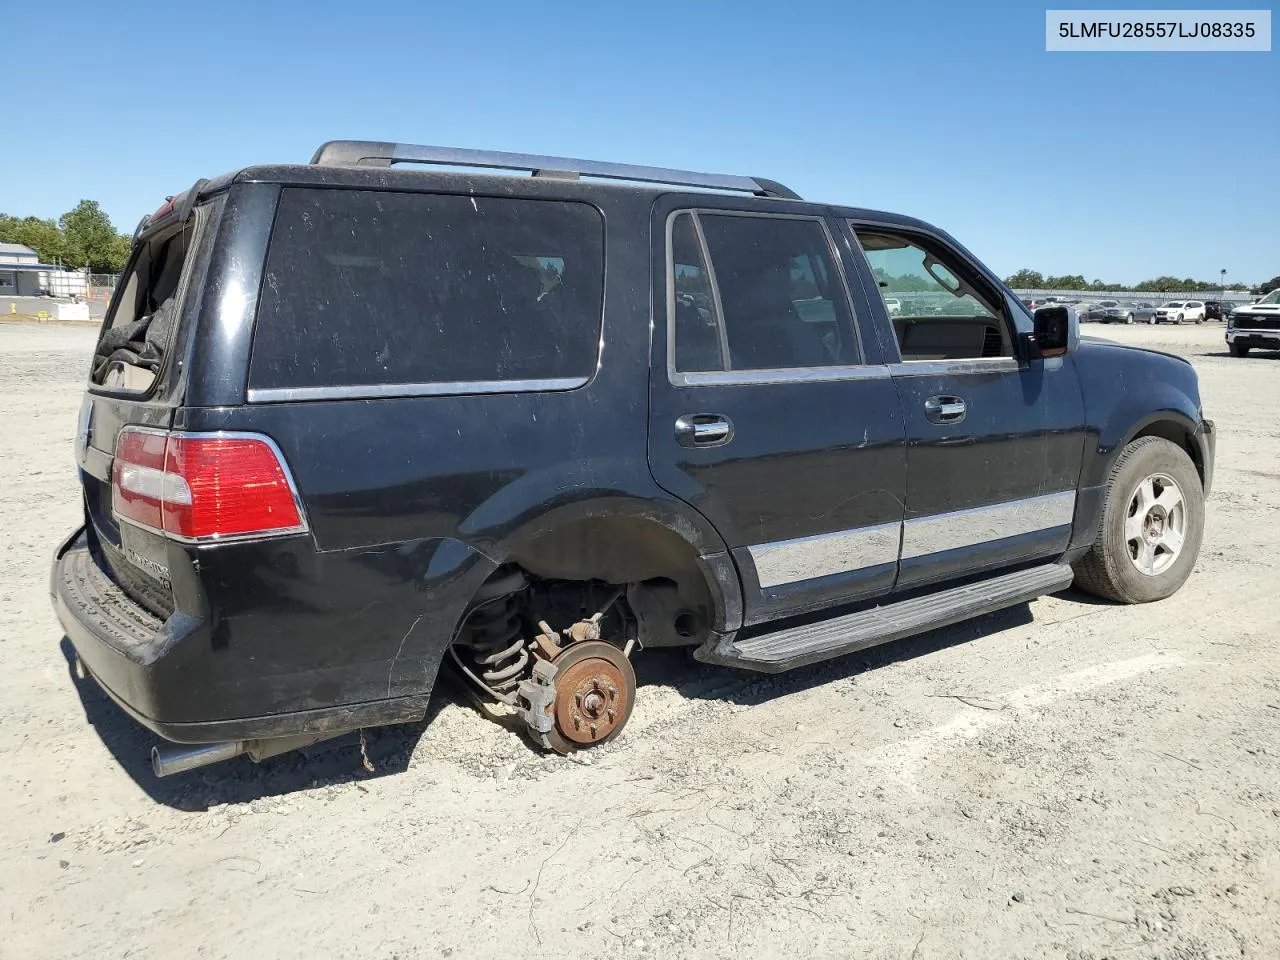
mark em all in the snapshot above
pixel 1027 279
pixel 906 282
pixel 81 236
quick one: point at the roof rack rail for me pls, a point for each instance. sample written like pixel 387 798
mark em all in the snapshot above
pixel 373 153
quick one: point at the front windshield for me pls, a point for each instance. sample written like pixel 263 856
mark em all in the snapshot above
pixel 1175 304
pixel 1272 297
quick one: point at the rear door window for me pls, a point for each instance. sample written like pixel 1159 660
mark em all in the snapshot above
pixel 770 298
pixel 375 292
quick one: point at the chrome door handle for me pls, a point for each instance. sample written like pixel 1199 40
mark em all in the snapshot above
pixel 944 409
pixel 703 430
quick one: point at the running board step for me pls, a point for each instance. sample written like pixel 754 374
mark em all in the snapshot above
pixel 797 646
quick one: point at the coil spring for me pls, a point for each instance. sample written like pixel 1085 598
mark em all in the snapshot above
pixel 493 632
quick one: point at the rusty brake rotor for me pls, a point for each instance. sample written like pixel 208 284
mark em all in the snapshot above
pixel 595 689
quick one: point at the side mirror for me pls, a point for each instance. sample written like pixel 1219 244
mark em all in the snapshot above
pixel 1052 337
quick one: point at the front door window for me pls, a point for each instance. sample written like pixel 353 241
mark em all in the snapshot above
pixel 940 309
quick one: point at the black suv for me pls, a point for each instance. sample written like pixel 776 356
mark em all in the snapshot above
pixel 351 421
pixel 1216 310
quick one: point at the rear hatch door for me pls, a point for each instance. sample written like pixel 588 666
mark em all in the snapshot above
pixel 136 377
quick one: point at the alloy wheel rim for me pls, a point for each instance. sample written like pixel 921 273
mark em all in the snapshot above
pixel 1155 525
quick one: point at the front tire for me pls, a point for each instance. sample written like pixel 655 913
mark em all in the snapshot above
pixel 1129 318
pixel 1238 349
pixel 1179 319
pixel 1152 525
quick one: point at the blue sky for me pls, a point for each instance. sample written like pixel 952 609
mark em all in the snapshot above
pixel 1118 166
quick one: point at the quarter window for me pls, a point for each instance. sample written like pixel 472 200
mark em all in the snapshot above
pixel 756 293
pixel 370 288
pixel 940 309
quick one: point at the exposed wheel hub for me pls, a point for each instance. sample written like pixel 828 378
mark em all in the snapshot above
pixel 591 695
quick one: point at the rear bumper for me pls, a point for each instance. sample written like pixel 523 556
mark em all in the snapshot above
pixel 155 669
pixel 118 642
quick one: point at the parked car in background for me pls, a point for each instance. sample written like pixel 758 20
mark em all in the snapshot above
pixel 1181 311
pixel 1138 311
pixel 1035 303
pixel 1114 311
pixel 1081 307
pixel 894 306
pixel 1216 309
pixel 1143 311
pixel 1255 324
pixel 1098 311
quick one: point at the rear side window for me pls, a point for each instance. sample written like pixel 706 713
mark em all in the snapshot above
pixel 770 298
pixel 374 289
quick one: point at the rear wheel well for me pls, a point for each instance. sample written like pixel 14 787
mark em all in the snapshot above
pixel 1178 434
pixel 666 589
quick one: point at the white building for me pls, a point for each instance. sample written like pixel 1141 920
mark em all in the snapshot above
pixel 23 275
pixel 18 254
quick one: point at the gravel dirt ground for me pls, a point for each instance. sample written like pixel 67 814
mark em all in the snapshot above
pixel 1065 779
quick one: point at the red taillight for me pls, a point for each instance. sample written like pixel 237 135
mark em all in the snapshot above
pixel 203 486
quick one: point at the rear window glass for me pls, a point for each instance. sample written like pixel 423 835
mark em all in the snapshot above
pixel 366 288
pixel 132 348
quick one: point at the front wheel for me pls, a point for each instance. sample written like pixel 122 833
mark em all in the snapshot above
pixel 1238 349
pixel 1129 318
pixel 1152 525
pixel 1179 318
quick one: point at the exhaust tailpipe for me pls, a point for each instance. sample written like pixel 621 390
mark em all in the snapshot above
pixel 175 758
pixel 166 761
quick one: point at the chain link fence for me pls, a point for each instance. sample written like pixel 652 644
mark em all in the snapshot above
pixel 100 287
pixel 1218 294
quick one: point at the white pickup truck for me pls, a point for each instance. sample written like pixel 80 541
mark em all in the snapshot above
pixel 1255 325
